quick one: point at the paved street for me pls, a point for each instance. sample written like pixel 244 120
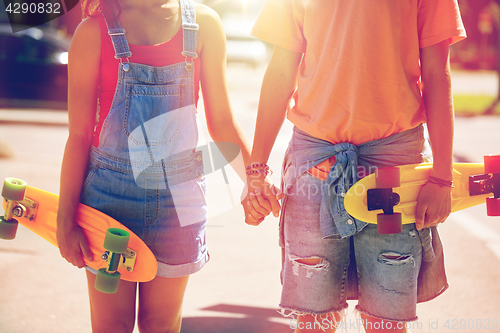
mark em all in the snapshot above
pixel 238 290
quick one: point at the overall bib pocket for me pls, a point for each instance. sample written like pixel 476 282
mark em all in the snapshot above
pixel 148 120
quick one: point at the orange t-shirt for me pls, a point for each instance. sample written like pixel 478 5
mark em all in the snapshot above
pixel 359 78
pixel 159 55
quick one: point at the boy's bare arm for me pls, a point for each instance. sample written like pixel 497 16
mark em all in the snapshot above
pixel 434 203
pixel 278 86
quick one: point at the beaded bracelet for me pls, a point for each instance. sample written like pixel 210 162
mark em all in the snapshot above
pixel 257 165
pixel 258 168
pixel 266 172
pixel 440 182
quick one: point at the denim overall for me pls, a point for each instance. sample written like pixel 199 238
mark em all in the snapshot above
pixel 146 172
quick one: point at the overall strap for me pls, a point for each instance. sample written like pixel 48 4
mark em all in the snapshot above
pixel 117 33
pixel 189 29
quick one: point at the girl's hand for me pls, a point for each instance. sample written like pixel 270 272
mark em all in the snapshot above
pixel 433 205
pixel 260 197
pixel 73 245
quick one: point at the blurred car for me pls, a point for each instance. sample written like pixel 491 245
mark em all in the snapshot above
pixel 33 66
pixel 241 46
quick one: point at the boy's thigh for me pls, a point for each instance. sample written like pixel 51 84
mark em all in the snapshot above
pixel 388 267
pixel 314 269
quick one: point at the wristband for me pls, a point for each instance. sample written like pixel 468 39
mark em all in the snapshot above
pixel 440 182
pixel 257 165
pixel 256 168
pixel 265 171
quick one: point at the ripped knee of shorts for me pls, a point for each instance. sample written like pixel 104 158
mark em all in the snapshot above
pixel 396 259
pixel 308 264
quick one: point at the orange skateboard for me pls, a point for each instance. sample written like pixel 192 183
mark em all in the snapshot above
pixel 388 197
pixel 117 252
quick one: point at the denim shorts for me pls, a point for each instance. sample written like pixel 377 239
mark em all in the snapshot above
pixel 387 265
pixel 169 217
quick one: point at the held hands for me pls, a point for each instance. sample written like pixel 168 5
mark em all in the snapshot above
pixel 433 205
pixel 73 244
pixel 260 197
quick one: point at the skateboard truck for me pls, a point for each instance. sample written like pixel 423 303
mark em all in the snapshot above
pixel 116 246
pixel 126 260
pixel 488 182
pixel 26 208
pixel 17 205
pixel 382 198
pixel 485 183
pixel 113 259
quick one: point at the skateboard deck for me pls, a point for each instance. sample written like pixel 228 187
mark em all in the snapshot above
pixel 37 211
pixel 472 186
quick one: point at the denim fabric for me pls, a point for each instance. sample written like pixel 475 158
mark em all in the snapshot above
pixel 146 172
pixel 306 151
pixel 190 31
pixel 387 266
pixel 117 34
pixel 170 220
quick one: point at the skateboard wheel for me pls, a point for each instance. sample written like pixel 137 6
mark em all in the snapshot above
pixel 492 164
pixel 107 283
pixel 493 206
pixel 8 229
pixel 116 240
pixel 14 189
pixel 388 224
pixel 387 177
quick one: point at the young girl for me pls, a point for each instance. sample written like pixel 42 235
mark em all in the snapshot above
pixel 142 62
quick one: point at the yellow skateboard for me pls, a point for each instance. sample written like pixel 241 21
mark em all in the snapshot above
pixel 388 197
pixel 117 251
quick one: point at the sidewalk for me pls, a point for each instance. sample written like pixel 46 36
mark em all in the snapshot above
pixel 474 82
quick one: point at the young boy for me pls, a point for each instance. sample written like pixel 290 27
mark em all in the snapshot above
pixel 358 79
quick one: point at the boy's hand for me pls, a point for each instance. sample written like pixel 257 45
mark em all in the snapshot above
pixel 260 197
pixel 433 205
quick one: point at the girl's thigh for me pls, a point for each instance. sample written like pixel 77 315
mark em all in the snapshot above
pixel 160 304
pixel 112 312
